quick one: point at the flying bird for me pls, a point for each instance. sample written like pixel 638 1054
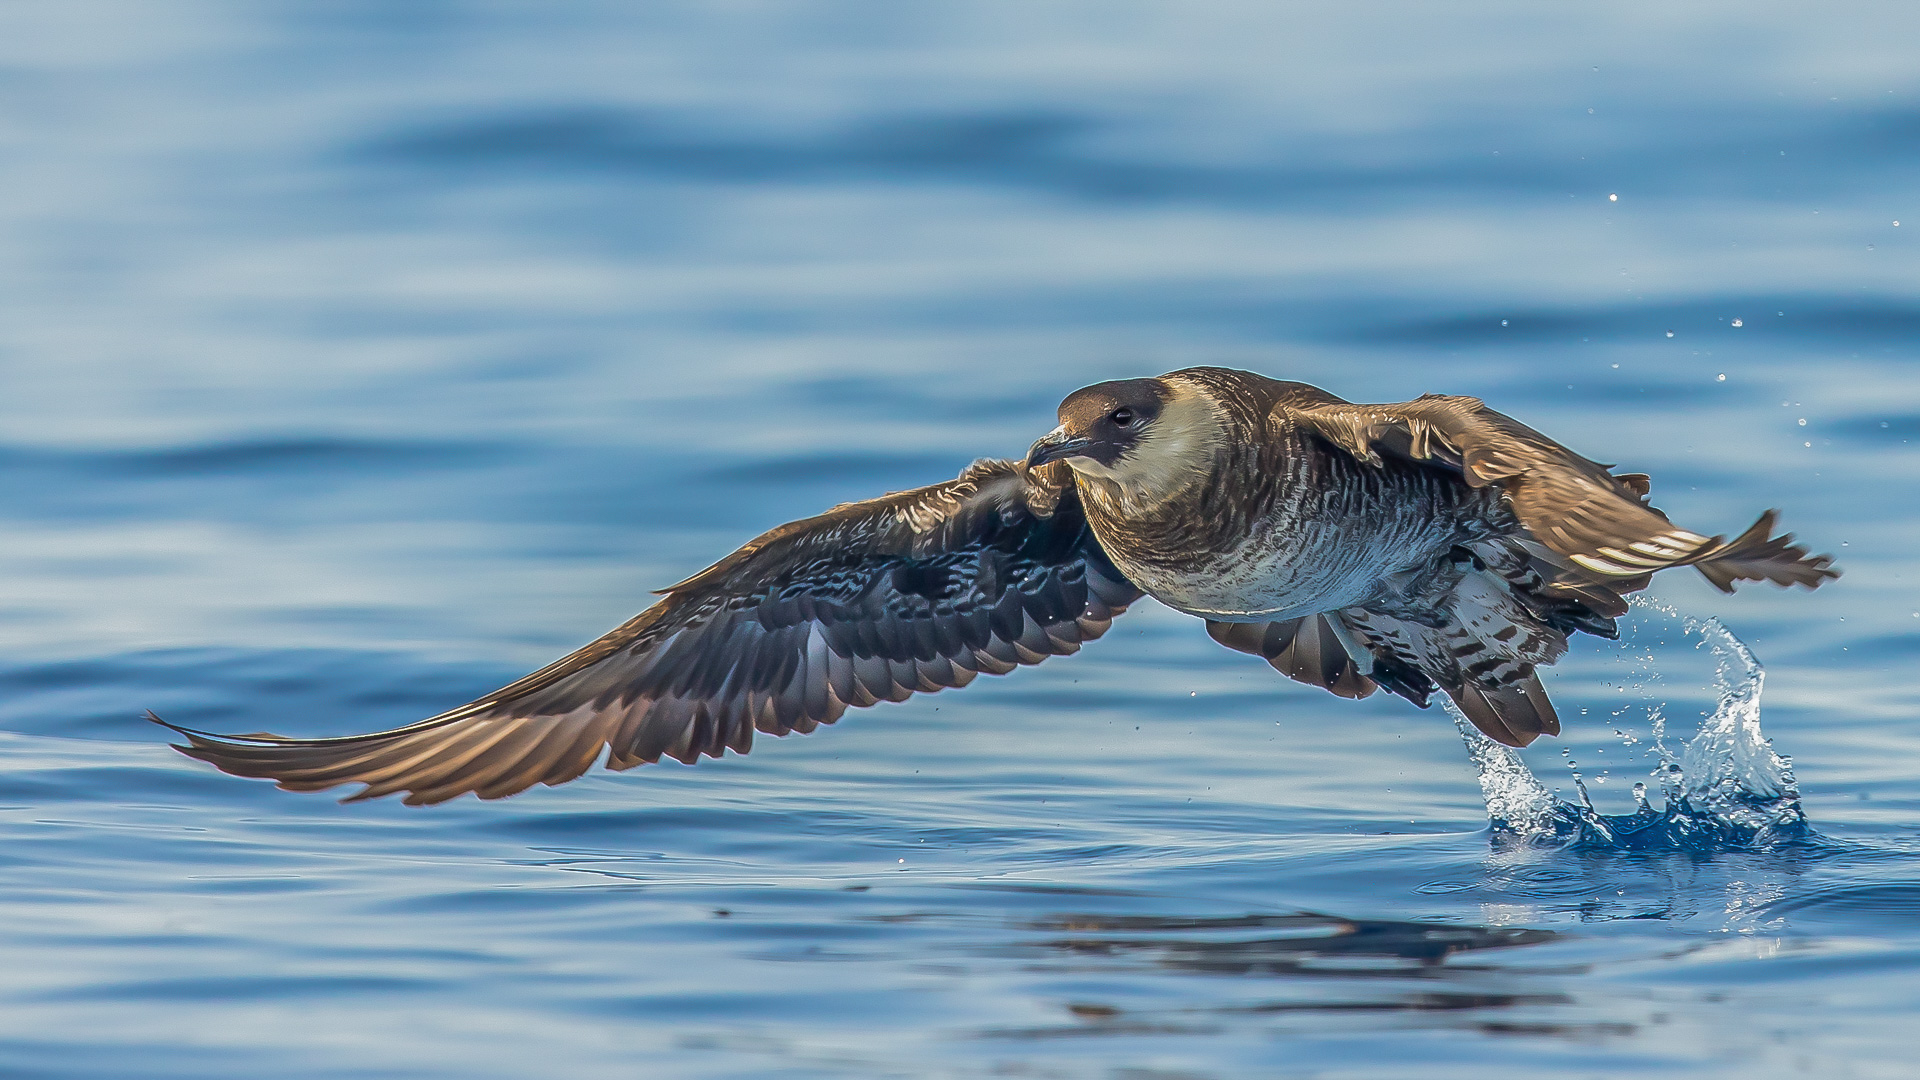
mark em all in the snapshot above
pixel 1429 546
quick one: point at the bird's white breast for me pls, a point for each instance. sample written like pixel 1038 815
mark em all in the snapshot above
pixel 1292 565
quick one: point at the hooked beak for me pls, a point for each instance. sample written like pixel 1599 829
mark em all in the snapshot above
pixel 1055 445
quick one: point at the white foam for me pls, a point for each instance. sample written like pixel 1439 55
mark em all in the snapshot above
pixel 1728 788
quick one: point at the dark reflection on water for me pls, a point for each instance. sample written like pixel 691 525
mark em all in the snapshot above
pixel 1329 965
pixel 1304 944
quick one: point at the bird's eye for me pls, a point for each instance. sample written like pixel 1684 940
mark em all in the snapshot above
pixel 1123 417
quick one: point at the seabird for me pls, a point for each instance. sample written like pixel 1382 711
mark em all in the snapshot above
pixel 1431 545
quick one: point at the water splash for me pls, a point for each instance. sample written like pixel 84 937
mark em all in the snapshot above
pixel 1726 789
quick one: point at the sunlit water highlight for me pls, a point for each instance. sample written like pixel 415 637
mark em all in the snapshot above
pixel 1727 790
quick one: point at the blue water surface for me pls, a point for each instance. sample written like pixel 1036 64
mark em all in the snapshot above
pixel 356 358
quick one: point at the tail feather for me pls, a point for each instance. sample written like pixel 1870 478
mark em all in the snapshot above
pixel 1491 678
pixel 1515 714
pixel 1478 628
pixel 1757 555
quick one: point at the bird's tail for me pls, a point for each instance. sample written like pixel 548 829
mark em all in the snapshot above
pixel 1479 634
pixel 1758 555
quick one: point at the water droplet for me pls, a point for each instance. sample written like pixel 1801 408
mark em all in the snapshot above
pixel 1503 322
pixel 1616 367
pixel 1808 445
pixel 1803 421
pixel 1722 377
pixel 1669 333
pixel 1869 247
pixel 1613 198
pixel 1589 112
pixel 1739 322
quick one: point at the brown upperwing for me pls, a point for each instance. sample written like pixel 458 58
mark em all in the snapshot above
pixel 1594 525
pixel 871 601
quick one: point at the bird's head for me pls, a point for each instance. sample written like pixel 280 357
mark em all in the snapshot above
pixel 1101 424
pixel 1145 437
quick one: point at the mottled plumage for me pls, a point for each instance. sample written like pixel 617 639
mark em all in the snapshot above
pixel 1433 544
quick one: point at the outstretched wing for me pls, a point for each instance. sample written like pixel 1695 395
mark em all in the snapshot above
pixel 1593 524
pixel 869 602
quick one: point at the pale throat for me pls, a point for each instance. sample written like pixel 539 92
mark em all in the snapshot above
pixel 1175 452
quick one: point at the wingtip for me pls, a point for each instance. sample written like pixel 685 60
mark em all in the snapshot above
pixel 208 739
pixel 192 736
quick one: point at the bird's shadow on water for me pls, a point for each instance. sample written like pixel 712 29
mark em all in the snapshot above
pixel 1302 967
pixel 1506 954
pixel 1730 852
